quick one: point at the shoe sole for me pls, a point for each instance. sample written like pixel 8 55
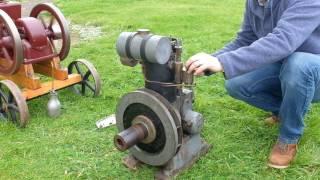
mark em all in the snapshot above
pixel 278 166
pixel 271 122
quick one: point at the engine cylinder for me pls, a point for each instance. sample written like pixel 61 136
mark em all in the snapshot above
pixel 156 73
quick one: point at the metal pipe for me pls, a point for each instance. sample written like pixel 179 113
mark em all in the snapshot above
pixel 178 64
pixel 130 137
pixel 178 72
pixel 178 49
pixel 188 78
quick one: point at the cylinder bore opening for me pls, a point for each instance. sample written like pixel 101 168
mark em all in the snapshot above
pixel 120 145
pixel 130 137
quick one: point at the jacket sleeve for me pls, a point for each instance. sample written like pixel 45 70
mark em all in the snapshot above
pixel 296 24
pixel 244 37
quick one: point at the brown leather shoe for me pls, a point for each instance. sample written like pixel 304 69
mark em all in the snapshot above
pixel 282 155
pixel 272 120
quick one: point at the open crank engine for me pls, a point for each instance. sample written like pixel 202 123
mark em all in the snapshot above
pixel 157 124
pixel 33 46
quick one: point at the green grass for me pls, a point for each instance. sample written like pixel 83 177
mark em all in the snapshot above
pixel 71 147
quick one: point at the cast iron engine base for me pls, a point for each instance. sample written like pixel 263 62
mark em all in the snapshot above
pixel 192 148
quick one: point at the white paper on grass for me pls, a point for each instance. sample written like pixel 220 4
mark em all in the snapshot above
pixel 106 122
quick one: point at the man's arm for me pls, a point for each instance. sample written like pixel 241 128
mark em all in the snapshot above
pixel 297 23
pixel 245 36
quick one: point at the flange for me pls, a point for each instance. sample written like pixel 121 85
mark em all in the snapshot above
pixel 148 124
pixel 150 105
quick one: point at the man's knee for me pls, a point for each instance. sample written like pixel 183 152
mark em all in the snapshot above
pixel 299 62
pixel 233 88
pixel 298 66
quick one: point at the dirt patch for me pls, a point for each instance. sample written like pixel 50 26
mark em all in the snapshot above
pixel 79 33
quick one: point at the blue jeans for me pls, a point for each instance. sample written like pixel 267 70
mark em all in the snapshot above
pixel 285 88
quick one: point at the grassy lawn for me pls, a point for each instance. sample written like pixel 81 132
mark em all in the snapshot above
pixel 71 147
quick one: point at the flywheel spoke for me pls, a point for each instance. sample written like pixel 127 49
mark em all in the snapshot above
pixel 52 19
pixel 43 22
pixel 3 96
pixel 86 76
pixel 6 53
pixel 90 78
pixel 13 107
pixel 78 69
pixel 89 86
pixel 83 89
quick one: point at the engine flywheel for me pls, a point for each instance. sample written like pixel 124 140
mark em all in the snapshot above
pixel 161 121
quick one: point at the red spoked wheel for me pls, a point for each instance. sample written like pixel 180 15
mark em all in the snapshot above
pixel 56 27
pixel 11 50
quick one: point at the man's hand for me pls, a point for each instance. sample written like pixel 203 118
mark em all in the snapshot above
pixel 201 63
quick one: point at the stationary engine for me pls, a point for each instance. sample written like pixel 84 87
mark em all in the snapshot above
pixel 27 40
pixel 35 45
pixel 157 123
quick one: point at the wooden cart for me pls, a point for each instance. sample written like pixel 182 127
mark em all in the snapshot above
pixel 31 49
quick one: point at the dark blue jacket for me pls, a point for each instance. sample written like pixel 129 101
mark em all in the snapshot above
pixel 271 33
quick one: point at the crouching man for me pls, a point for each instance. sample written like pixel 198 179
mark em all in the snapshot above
pixel 274 65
